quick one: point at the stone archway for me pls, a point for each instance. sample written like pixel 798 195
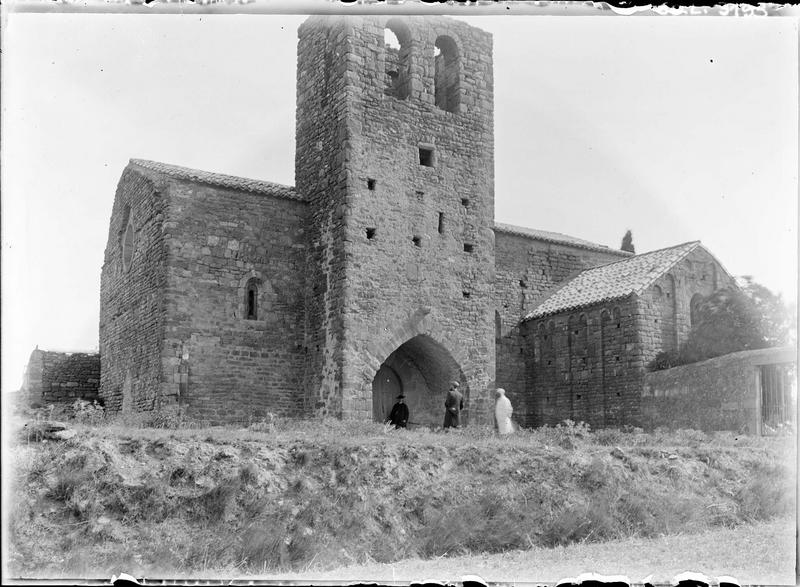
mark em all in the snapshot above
pixel 422 369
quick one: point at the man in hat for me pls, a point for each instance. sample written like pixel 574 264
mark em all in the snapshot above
pixel 398 417
pixel 453 404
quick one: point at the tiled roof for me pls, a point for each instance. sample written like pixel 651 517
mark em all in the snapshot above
pixel 557 238
pixel 613 281
pixel 244 184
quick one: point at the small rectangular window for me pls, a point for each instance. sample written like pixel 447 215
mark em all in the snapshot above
pixel 371 184
pixel 370 233
pixel 465 202
pixel 417 241
pixel 465 294
pixel 426 156
pixel 468 247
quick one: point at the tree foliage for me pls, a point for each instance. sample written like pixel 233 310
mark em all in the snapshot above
pixel 742 318
pixel 778 318
pixel 627 242
pixel 727 321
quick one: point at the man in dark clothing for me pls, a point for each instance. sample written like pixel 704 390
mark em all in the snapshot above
pixel 453 405
pixel 398 417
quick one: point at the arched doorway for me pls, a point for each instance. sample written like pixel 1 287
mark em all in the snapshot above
pixel 422 369
pixel 385 388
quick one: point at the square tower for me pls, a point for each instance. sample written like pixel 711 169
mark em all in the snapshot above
pixel 395 155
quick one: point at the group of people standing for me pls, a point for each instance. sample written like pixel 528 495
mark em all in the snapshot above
pixel 453 405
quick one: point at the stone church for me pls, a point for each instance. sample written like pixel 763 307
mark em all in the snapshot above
pixel 382 270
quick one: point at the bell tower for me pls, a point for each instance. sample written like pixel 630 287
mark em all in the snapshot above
pixel 395 156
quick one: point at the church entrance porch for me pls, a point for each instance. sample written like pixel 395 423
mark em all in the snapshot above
pixel 422 369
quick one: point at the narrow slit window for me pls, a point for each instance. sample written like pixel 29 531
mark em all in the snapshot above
pixel 441 223
pixel 127 246
pixel 251 301
pixel 426 157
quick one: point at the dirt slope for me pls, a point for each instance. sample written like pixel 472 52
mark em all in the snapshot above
pixel 181 502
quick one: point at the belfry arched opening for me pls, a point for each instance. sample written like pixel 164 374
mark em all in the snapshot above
pixel 421 369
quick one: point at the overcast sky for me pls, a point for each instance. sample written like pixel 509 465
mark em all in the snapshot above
pixel 677 128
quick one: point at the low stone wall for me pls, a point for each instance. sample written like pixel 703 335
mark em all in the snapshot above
pixel 53 377
pixel 717 394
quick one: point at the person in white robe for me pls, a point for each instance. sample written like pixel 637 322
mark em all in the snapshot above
pixel 502 413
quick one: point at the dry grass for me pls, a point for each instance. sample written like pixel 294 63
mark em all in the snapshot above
pixel 756 554
pixel 286 496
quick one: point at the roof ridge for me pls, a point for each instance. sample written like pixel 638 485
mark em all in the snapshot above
pixel 611 281
pixel 219 179
pixel 566 239
pixel 640 255
pixel 682 256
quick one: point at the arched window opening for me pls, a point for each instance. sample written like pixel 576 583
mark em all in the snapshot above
pixel 251 300
pixel 397 49
pixel 669 327
pixel 390 39
pixel 127 246
pixel 583 324
pixel 572 331
pixel 617 315
pixel 446 75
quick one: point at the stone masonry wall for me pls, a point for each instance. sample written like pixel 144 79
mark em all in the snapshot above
pixel 132 298
pixel 223 365
pixel 422 179
pixel 53 377
pixel 322 139
pixel 387 254
pixel 526 272
pixel 590 365
pixel 665 307
pixel 585 366
pixel 717 394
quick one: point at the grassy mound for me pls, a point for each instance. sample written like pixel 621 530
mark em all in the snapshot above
pixel 313 495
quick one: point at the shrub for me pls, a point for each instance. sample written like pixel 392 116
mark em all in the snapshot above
pixel 215 503
pixel 171 417
pixel 664 360
pixel 608 436
pixel 146 502
pixel 597 475
pixel 591 520
pixel 248 474
pixel 485 522
pixel 65 484
pixel 88 413
pixel 266 424
pixel 181 475
pixel 766 496
pixel 565 434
